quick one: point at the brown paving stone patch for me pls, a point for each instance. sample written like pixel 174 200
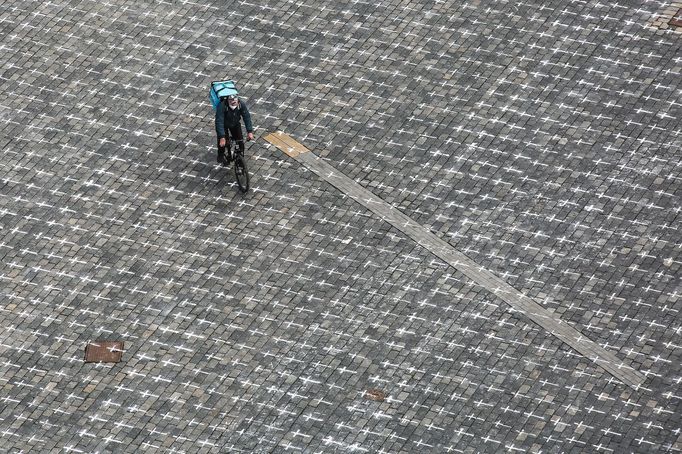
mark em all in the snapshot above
pixel 104 352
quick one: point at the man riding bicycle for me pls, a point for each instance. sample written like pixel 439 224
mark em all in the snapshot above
pixel 227 121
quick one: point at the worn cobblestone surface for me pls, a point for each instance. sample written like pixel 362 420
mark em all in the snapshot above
pixel 541 139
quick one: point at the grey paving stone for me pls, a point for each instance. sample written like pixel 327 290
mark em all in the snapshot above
pixel 540 140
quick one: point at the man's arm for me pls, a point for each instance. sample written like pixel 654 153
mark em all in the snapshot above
pixel 220 121
pixel 247 118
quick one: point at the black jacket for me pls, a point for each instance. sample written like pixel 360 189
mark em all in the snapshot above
pixel 226 118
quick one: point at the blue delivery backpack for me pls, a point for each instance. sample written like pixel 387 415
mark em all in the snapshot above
pixel 221 89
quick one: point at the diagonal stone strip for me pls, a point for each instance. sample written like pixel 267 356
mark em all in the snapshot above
pixel 286 143
pixel 517 300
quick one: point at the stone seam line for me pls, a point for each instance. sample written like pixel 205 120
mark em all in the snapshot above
pixel 428 240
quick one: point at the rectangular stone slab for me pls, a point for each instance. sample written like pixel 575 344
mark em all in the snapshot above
pixel 104 352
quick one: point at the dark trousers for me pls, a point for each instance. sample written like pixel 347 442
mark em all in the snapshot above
pixel 236 133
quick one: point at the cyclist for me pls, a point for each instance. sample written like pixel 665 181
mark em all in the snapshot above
pixel 228 117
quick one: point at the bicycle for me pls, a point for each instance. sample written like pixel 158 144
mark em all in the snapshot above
pixel 240 170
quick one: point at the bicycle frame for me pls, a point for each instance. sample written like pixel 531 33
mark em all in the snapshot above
pixel 233 145
pixel 240 168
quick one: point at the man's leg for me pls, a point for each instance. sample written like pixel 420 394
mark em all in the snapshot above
pixel 221 153
pixel 236 133
pixel 228 145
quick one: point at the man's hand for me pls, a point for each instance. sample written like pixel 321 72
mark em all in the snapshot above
pixel 222 142
pixel 249 136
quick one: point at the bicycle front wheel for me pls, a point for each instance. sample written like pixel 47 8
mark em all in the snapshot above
pixel 241 172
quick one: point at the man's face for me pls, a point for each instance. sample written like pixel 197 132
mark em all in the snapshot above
pixel 232 101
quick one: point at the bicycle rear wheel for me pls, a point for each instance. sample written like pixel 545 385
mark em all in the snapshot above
pixel 241 172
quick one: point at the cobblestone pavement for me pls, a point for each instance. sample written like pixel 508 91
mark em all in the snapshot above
pixel 540 139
